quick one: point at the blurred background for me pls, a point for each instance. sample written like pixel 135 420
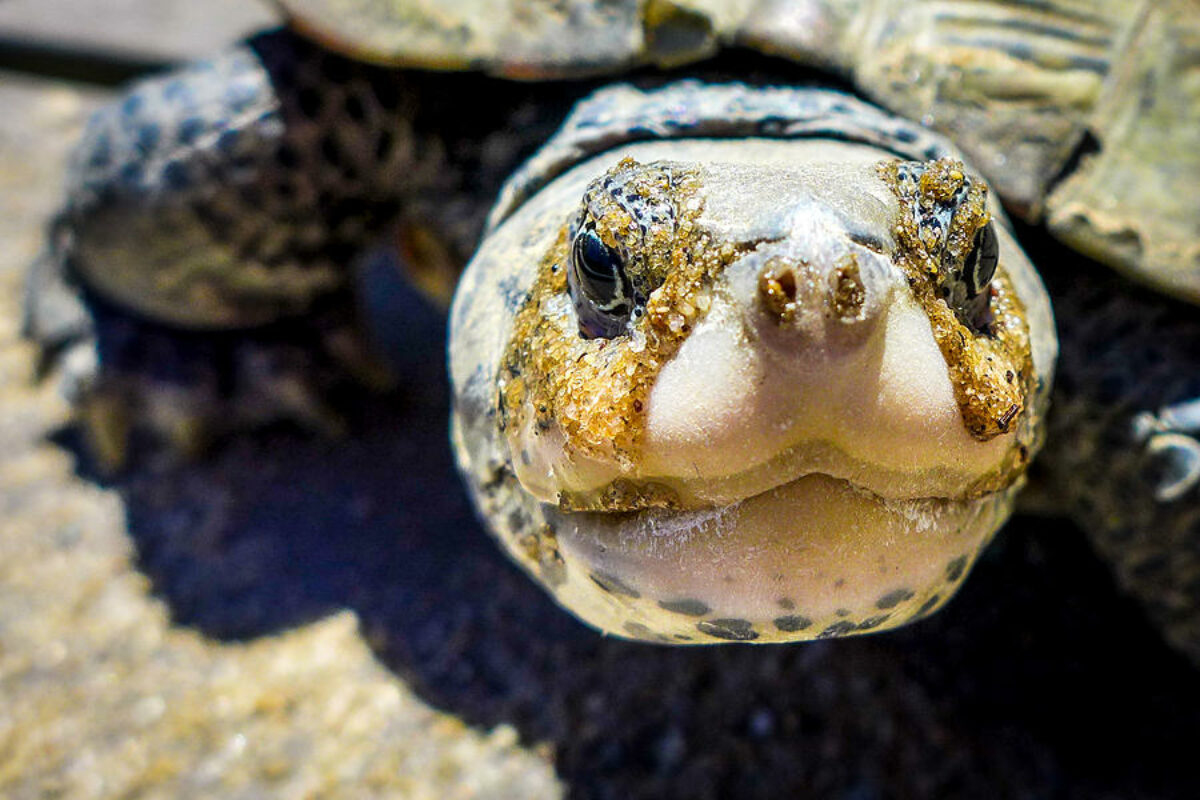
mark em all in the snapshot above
pixel 294 617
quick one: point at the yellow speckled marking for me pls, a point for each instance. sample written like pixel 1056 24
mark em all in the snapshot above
pixel 991 370
pixel 593 391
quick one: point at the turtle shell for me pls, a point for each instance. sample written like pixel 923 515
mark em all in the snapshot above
pixel 525 39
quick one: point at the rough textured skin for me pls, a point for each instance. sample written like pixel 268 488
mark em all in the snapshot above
pixel 993 375
pixel 1128 203
pixel 237 191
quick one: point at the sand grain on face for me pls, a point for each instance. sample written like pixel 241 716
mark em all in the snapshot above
pixel 594 391
pixel 991 369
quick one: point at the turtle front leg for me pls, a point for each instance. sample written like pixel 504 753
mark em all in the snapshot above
pixel 137 384
pixel 199 276
pixel 1122 452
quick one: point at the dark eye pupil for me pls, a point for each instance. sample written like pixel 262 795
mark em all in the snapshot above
pixel 597 261
pixel 981 263
pixel 600 290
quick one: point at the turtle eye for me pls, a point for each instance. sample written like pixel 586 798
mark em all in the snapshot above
pixel 981 262
pixel 599 287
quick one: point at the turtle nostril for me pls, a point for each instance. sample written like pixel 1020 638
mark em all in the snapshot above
pixel 787 284
pixel 777 291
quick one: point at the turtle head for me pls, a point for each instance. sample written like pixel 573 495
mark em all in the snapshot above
pixel 757 391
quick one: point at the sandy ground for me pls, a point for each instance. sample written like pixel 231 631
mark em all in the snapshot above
pixel 299 618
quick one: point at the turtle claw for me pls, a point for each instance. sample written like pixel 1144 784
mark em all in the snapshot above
pixel 123 417
pixel 1174 451
pixel 112 421
pixel 291 397
pixel 1179 459
pixel 105 426
pixel 349 348
pixel 117 414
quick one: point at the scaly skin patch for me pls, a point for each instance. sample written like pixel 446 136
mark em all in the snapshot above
pixel 594 391
pixel 991 369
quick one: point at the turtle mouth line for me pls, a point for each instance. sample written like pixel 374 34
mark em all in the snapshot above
pixel 899 477
pixel 632 496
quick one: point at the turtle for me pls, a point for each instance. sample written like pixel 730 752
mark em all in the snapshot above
pixel 738 357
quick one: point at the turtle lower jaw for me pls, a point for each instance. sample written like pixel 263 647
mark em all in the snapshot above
pixel 813 558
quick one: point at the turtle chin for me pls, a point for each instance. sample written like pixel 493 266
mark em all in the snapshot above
pixel 813 558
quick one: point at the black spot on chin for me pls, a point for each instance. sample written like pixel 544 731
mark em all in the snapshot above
pixel 190 130
pixel 928 606
pixel 133 105
pixel 178 91
pixel 175 175
pixel 894 598
pixel 734 630
pixel 614 585
pixel 638 630
pixel 228 141
pixel 837 629
pixel 148 136
pixel 873 622
pixel 792 623
pixel 956 568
